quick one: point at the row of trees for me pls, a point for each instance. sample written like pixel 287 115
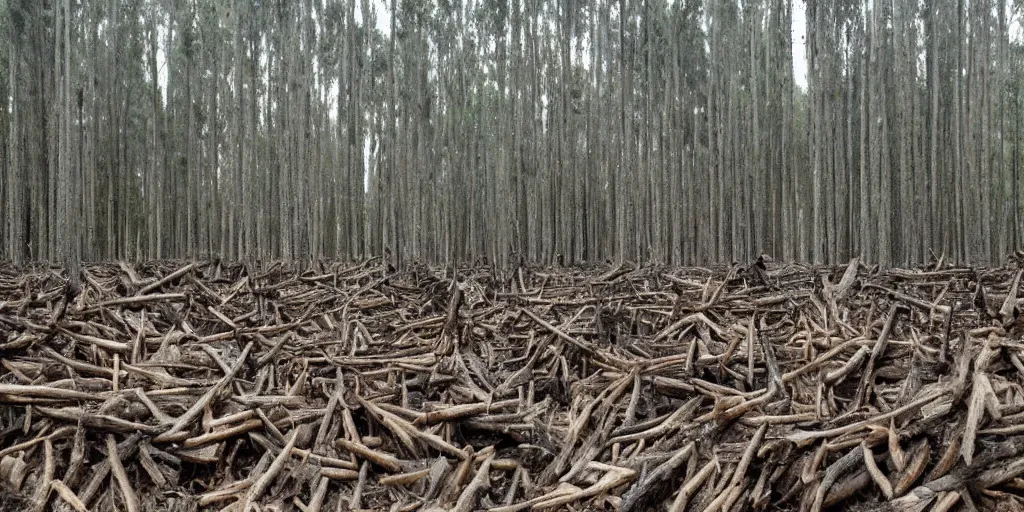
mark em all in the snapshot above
pixel 628 129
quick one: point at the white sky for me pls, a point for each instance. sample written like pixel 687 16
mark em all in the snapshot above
pixel 799 47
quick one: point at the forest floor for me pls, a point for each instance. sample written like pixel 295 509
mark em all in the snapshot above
pixel 206 386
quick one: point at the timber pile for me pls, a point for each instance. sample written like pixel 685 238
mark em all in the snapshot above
pixel 209 386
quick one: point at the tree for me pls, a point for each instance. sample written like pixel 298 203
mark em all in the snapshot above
pixel 576 130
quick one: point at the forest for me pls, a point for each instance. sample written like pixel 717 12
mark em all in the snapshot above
pixel 511 255
pixel 572 130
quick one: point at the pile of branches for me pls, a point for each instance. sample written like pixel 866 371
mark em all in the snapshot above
pixel 208 386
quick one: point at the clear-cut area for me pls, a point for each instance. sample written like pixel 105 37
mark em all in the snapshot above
pixel 208 386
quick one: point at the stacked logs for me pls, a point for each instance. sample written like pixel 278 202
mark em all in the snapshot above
pixel 209 386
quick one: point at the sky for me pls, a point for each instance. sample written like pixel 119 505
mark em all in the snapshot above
pixel 799 46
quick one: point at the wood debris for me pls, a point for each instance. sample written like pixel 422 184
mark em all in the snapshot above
pixel 203 385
